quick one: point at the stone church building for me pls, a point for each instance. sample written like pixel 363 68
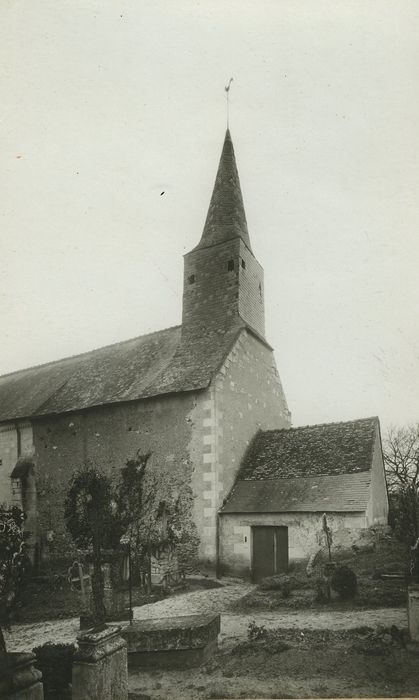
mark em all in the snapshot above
pixel 205 399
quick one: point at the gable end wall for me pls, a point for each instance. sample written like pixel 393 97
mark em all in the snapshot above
pixel 246 396
pixel 106 436
pixel 377 509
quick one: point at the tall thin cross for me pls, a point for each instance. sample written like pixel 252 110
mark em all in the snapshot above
pixel 227 89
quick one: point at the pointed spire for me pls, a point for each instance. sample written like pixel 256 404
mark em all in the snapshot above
pixel 226 218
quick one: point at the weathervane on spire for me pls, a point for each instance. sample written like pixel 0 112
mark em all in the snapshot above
pixel 227 89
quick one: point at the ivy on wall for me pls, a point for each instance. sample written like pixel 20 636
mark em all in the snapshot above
pixel 157 506
pixel 12 563
pixel 55 537
pixel 154 504
pixel 89 510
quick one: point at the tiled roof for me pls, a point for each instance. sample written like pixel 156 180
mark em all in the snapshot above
pixel 329 448
pixel 346 493
pixel 226 217
pixel 314 468
pixel 170 360
pixel 150 365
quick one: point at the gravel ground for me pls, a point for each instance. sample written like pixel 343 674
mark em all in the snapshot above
pixel 218 600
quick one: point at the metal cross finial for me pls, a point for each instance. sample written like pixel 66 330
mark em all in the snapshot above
pixel 227 90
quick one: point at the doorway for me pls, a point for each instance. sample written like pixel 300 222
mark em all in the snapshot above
pixel 270 551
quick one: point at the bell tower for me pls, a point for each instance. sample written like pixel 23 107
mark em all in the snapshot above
pixel 223 281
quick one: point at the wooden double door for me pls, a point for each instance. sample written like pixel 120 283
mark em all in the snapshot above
pixel 269 551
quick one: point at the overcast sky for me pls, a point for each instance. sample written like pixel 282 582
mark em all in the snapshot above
pixel 104 104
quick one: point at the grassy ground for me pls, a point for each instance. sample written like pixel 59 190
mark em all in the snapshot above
pixel 295 664
pixel 291 663
pixel 51 597
pixel 306 653
pixel 388 556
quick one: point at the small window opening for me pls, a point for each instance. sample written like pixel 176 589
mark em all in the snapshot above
pixel 260 289
pixel 191 279
pixel 230 265
pixel 243 264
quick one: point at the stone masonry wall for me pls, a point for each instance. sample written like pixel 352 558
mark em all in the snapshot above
pixel 303 533
pixel 210 429
pixel 8 456
pixel 245 396
pixel 215 296
pixel 106 436
pixel 377 511
pixel 210 289
pixel 204 475
pixel 250 397
pixel 13 446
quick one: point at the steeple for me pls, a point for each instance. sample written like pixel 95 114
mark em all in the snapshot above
pixel 223 281
pixel 226 218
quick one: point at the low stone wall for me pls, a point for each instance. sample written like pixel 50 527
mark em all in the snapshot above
pixel 19 679
pixel 177 642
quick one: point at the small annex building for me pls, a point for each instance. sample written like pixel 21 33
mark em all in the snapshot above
pixel 287 480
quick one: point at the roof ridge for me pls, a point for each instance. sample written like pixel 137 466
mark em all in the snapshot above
pixel 320 425
pixel 306 476
pixel 86 352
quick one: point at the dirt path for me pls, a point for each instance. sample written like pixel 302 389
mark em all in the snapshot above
pixel 218 600
pixel 234 625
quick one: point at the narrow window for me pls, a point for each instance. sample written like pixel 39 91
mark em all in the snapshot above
pixel 243 264
pixel 16 492
pixel 260 289
pixel 230 265
pixel 191 279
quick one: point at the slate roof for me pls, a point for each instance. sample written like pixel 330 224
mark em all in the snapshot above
pixel 323 467
pixel 329 448
pixel 346 493
pixel 150 365
pixel 167 361
pixel 226 217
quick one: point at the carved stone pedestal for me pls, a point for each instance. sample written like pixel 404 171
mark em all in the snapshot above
pixel 19 679
pixel 100 668
pixel 413 611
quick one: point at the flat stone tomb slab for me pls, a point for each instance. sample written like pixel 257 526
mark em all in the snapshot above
pixel 172 642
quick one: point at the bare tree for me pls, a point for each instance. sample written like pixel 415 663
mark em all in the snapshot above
pixel 401 459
